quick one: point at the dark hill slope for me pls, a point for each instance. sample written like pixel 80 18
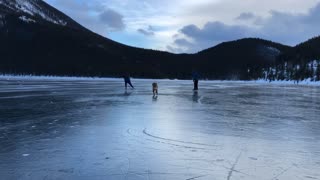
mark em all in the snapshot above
pixel 240 55
pixel 36 11
pixel 304 52
pixel 35 38
pixel 56 45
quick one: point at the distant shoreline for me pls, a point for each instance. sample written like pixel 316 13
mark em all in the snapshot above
pixel 69 78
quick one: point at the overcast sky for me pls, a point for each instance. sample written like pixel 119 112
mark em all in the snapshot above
pixel 193 25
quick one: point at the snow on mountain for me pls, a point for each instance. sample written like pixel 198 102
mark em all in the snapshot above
pixel 31 10
pixel 1 20
pixel 31 7
pixel 274 50
pixel 26 19
pixel 268 52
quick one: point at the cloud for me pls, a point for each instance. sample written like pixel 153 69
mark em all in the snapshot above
pixel 216 31
pixel 92 14
pixel 281 27
pixel 211 34
pixel 147 32
pixel 234 16
pixel 290 28
pixel 112 19
pixel 246 16
pixel 175 49
pixel 183 42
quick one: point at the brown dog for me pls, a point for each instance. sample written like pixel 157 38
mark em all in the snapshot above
pixel 155 88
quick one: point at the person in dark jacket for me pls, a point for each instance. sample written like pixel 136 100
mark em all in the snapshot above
pixel 155 88
pixel 127 81
pixel 195 77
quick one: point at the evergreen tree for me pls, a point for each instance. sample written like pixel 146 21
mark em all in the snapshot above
pixel 296 73
pixel 318 72
pixel 281 72
pixel 312 72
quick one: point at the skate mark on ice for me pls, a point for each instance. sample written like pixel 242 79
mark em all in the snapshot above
pixel 197 177
pixel 173 140
pixel 209 170
pixel 282 172
pixel 310 177
pixel 187 147
pixel 145 173
pixel 168 143
pixel 233 167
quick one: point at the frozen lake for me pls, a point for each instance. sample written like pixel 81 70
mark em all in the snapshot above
pixel 94 129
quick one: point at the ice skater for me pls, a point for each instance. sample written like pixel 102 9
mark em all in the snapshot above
pixel 155 88
pixel 195 77
pixel 127 81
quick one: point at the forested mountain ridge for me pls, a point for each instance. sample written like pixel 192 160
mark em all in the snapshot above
pixel 301 62
pixel 37 39
pixel 240 55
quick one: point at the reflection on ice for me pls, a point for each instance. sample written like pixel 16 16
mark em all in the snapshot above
pixel 93 129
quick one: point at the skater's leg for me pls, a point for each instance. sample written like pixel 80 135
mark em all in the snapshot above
pixel 195 84
pixel 131 85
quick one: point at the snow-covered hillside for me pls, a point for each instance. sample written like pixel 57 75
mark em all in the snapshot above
pixel 32 11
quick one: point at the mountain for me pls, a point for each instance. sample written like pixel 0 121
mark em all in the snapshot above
pixel 240 55
pixel 36 38
pixel 299 63
pixel 35 11
pixel 304 52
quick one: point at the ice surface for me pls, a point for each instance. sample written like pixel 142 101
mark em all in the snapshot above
pixel 94 129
